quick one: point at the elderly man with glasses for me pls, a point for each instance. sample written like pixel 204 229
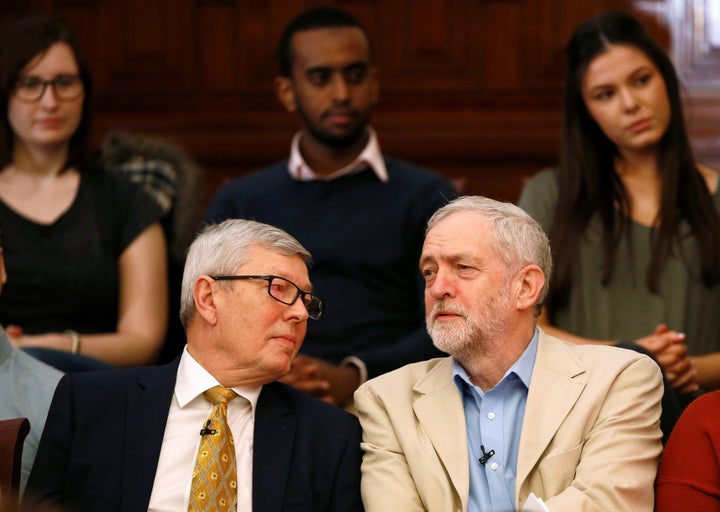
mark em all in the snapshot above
pixel 212 430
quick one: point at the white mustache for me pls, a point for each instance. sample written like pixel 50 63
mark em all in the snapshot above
pixel 447 307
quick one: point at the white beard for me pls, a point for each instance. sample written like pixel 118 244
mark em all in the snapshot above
pixel 469 330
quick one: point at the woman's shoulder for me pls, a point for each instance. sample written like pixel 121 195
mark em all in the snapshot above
pixel 539 195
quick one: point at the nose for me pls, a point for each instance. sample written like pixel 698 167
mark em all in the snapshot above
pixel 628 100
pixel 48 98
pixel 341 89
pixel 297 311
pixel 441 286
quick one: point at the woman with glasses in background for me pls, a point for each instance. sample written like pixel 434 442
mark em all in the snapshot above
pixel 86 255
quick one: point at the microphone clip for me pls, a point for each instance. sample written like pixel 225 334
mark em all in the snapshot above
pixel 207 431
pixel 485 455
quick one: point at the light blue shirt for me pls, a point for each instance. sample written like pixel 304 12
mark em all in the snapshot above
pixel 27 386
pixel 494 421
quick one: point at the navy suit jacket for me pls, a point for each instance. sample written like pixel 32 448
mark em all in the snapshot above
pixel 104 431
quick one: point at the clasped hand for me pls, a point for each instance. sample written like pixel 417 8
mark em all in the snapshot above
pixel 670 350
pixel 331 383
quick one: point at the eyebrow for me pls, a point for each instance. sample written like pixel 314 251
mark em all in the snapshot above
pixel 639 69
pixel 357 64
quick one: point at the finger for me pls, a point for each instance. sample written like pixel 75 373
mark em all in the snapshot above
pixel 686 379
pixel 661 328
pixel 669 358
pixel 314 387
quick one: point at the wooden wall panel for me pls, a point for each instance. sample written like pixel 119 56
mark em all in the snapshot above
pixel 471 88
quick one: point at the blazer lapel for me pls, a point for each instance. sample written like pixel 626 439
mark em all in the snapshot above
pixel 273 446
pixel 554 389
pixel 439 410
pixel 147 410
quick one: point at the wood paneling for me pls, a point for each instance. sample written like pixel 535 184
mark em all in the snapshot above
pixel 471 88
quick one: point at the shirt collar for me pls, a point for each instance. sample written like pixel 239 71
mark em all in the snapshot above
pixel 193 380
pixel 522 368
pixel 370 156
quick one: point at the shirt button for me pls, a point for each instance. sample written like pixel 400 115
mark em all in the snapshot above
pixel 491 415
pixel 494 466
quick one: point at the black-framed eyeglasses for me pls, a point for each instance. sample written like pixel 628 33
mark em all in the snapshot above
pixel 285 291
pixel 66 87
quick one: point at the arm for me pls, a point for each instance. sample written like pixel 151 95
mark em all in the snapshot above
pixel 620 450
pixel 708 370
pixel 142 315
pixel 387 483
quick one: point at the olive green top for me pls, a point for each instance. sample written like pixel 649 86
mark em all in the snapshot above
pixel 625 309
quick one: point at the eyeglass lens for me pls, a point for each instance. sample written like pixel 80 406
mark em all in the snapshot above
pixel 287 292
pixel 65 87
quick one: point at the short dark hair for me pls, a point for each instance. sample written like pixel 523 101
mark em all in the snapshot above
pixel 21 40
pixel 318 18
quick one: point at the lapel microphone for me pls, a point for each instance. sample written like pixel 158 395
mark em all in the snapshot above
pixel 485 455
pixel 207 431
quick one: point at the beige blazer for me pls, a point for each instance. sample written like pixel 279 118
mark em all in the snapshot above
pixel 590 438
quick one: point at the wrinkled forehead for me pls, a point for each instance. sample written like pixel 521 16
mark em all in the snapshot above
pixel 458 233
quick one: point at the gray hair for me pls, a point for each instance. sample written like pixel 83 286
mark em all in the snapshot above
pixel 219 249
pixel 517 238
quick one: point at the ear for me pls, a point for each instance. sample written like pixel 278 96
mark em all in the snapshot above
pixel 529 282
pixel 205 298
pixel 285 92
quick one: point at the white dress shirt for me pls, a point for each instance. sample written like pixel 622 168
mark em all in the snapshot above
pixel 188 413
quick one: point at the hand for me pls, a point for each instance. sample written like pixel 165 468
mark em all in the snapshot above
pixel 304 376
pixel 686 381
pixel 53 340
pixel 670 350
pixel 329 382
pixel 14 333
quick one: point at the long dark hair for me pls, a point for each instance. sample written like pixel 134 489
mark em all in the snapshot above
pixel 589 187
pixel 21 40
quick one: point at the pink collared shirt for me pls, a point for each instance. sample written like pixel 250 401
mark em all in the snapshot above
pixel 370 156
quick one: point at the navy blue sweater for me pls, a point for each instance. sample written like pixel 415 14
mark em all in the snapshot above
pixel 365 237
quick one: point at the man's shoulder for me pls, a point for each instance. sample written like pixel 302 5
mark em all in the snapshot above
pixel 596 359
pixel 410 375
pixel 119 380
pixel 398 168
pixel 266 176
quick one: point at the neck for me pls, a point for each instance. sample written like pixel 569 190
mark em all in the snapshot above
pixel 325 160
pixel 637 163
pixel 39 162
pixel 220 366
pixel 487 361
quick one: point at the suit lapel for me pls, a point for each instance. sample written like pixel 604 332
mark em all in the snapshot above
pixel 439 411
pixel 273 446
pixel 147 410
pixel 557 382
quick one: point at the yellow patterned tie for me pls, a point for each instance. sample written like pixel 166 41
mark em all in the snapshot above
pixel 214 483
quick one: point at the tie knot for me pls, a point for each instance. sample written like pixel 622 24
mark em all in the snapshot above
pixel 219 395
